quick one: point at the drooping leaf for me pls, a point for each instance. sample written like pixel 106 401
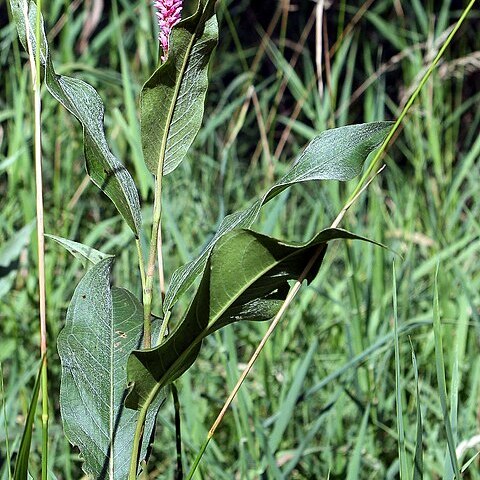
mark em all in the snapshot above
pixel 246 279
pixel 172 100
pixel 82 101
pixel 80 251
pixel 337 154
pixel 103 325
pixel 21 464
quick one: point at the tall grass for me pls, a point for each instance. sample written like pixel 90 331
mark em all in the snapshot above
pixel 322 398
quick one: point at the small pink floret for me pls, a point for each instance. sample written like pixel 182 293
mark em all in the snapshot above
pixel 168 15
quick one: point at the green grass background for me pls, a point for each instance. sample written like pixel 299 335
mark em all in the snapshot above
pixel 322 400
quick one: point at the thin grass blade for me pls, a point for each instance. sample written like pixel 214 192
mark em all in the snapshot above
pixel 354 466
pixel 442 389
pixel 21 465
pixel 418 456
pixel 402 453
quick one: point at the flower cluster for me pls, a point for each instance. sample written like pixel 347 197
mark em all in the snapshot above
pixel 168 15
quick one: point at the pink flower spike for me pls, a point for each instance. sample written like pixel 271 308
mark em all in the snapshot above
pixel 168 15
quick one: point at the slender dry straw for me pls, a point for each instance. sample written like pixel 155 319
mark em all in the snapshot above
pixel 34 59
pixel 319 44
pixel 361 186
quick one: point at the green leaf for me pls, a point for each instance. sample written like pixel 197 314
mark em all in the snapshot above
pixel 80 251
pixel 287 409
pixel 355 459
pixel 442 388
pixel 82 101
pixel 418 457
pixel 402 452
pixel 21 465
pixel 337 154
pixel 246 279
pixel 103 325
pixel 172 100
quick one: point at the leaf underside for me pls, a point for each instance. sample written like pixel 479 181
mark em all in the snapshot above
pixel 103 325
pixel 246 279
pixel 336 154
pixel 79 250
pixel 172 101
pixel 82 101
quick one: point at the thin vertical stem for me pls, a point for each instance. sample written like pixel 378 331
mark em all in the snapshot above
pixel 141 261
pixel 34 58
pixel 149 275
pixel 319 44
pixel 161 274
pixel 178 433
pixel 137 441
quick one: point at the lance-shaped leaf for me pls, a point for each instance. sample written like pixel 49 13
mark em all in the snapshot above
pixel 82 101
pixel 79 250
pixel 246 279
pixel 172 100
pixel 103 325
pixel 337 154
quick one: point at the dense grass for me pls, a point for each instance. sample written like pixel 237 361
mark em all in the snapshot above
pixel 335 393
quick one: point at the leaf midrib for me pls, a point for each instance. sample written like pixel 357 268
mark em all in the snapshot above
pixel 160 384
pixel 48 65
pixel 171 110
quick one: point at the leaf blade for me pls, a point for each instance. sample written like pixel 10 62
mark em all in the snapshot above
pixel 336 154
pixel 102 326
pixel 245 279
pixel 172 101
pixel 80 250
pixel 83 102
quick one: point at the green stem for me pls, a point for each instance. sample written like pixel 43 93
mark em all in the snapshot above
pixel 198 457
pixel 44 419
pixel 137 442
pixel 149 275
pixel 137 438
pixel 178 433
pixel 163 328
pixel 141 262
